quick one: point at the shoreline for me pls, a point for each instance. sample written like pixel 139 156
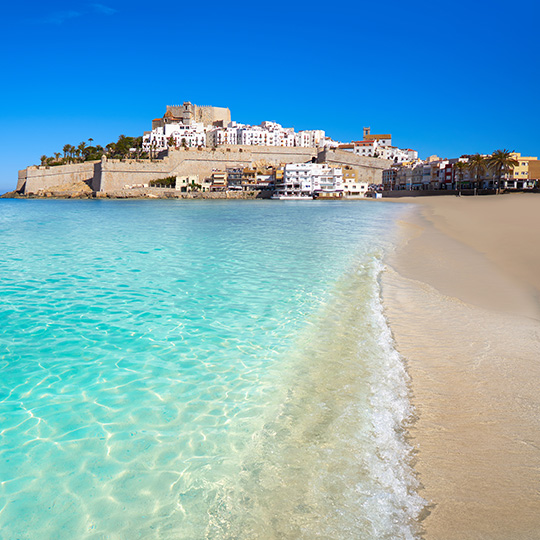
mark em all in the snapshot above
pixel 461 297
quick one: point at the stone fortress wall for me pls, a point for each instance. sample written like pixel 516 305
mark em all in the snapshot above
pixel 38 178
pixel 108 176
pixel 209 115
pixel 116 174
pixel 188 113
pixel 369 169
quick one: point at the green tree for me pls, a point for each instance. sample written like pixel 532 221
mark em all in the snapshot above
pixel 43 159
pixel 81 150
pixel 71 152
pixel 459 170
pixel 500 163
pixel 477 167
pixel 111 149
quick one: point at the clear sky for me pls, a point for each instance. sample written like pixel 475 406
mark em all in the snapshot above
pixel 443 77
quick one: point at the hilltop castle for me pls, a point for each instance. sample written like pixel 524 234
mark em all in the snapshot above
pixel 200 142
pixel 189 114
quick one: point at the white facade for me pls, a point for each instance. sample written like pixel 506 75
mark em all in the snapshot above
pixel 217 136
pixel 312 138
pixel 183 135
pixel 413 154
pixel 364 148
pixel 393 153
pixel 307 179
pixel 354 189
pixel 376 148
pixel 256 136
pixel 267 134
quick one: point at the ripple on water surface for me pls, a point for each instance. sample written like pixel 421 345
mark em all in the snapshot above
pixel 199 370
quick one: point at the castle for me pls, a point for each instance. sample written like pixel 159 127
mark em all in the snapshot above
pixel 189 114
pixel 116 177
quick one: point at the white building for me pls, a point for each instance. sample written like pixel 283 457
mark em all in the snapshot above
pixel 378 149
pixel 266 134
pixel 308 179
pixel 218 135
pixel 182 135
pixel 256 136
pixel 413 154
pixel 312 138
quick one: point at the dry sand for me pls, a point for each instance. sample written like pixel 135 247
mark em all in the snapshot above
pixel 461 295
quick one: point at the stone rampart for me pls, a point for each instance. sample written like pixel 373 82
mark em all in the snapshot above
pixel 204 162
pixel 34 179
pixel 369 169
pixel 116 174
pixel 108 176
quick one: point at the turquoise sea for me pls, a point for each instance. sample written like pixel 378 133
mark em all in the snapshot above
pixel 200 370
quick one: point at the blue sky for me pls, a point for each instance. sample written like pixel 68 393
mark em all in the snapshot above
pixel 444 78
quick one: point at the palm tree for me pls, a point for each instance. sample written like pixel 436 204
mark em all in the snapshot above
pixel 460 167
pixel 66 150
pixel 43 159
pixel 80 150
pixel 500 162
pixel 57 156
pixel 69 149
pixel 477 166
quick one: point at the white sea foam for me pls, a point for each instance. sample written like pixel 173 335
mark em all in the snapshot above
pixel 395 510
pixel 333 460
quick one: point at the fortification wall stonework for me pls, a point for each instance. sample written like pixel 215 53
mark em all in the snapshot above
pixel 208 114
pixel 368 169
pixel 109 176
pixel 115 175
pixel 34 179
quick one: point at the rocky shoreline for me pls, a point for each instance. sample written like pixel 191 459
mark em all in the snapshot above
pixel 83 191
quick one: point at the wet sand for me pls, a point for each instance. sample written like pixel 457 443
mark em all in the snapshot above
pixel 461 295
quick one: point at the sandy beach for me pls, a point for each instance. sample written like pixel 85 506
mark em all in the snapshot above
pixel 462 298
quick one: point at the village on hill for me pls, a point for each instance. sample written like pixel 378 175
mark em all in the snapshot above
pixel 199 151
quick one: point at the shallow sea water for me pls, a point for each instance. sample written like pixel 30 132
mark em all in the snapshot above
pixel 200 369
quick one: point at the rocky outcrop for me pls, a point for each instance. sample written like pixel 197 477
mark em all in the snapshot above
pixel 11 195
